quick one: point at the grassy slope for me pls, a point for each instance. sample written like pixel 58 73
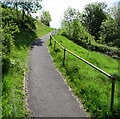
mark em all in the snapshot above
pixel 13 94
pixel 92 87
pixel 42 29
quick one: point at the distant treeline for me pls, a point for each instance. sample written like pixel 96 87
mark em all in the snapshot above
pixel 97 23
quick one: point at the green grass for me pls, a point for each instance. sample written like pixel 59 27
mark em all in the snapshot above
pixel 103 48
pixel 13 94
pixel 92 87
pixel 41 29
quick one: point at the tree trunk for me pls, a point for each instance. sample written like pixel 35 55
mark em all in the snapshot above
pixel 23 13
pixel 16 7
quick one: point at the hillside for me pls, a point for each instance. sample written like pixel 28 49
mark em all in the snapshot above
pixel 13 94
pixel 93 37
pixel 92 87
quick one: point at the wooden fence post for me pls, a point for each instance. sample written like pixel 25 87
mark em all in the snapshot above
pixel 50 40
pixel 64 58
pixel 54 45
pixel 112 94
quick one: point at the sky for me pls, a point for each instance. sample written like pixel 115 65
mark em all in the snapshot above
pixel 57 8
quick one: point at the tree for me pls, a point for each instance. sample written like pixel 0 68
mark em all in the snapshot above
pixel 93 16
pixel 73 28
pixel 109 31
pixel 110 28
pixel 26 7
pixel 71 22
pixel 114 11
pixel 45 18
pixel 118 18
pixel 29 7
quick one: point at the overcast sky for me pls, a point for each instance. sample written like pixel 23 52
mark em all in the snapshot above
pixel 57 8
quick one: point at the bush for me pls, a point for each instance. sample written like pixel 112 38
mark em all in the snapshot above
pixel 7 44
pixel 109 31
pixel 116 42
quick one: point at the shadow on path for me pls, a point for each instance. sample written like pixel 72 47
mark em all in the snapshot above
pixel 37 42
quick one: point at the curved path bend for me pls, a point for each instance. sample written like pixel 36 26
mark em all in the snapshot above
pixel 48 95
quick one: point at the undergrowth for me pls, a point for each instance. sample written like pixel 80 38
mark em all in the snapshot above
pixel 13 94
pixel 92 87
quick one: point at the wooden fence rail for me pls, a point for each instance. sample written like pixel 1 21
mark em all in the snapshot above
pixel 100 70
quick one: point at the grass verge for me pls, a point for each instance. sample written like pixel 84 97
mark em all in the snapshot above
pixel 13 94
pixel 92 87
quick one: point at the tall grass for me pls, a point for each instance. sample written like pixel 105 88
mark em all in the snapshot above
pixel 13 94
pixel 92 87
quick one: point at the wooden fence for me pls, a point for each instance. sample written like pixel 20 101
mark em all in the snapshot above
pixel 100 70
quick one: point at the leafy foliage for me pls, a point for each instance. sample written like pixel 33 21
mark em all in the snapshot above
pixel 96 22
pixel 93 16
pixel 25 7
pixel 45 18
pixel 73 28
pixel 109 30
pixel 8 30
pixel 70 16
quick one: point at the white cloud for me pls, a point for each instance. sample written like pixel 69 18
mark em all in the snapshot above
pixel 57 7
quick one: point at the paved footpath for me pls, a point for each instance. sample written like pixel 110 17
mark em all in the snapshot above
pixel 48 95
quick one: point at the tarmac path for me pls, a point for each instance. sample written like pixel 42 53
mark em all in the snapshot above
pixel 48 95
